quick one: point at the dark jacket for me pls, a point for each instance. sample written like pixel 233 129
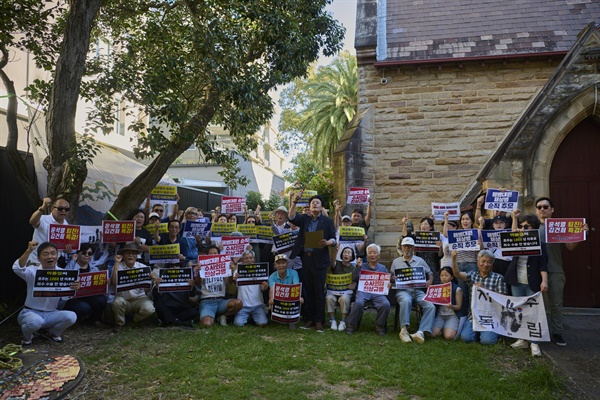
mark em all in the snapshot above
pixel 535 264
pixel 323 223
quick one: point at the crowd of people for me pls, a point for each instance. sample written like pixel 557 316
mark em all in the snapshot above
pixel 218 299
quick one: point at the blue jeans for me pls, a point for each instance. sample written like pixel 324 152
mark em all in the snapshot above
pixel 257 313
pixel 55 321
pixel 405 298
pixel 468 335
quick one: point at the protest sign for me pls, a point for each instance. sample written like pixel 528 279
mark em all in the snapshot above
pixel 133 278
pixel 234 246
pixel 199 227
pixel 410 277
pixel 351 234
pixel 219 229
pixel 252 274
pixel 54 282
pixel 285 241
pixel 174 279
pixel 439 209
pixel 463 239
pixel 358 195
pixel 162 228
pixel 118 231
pixel 265 217
pixel 248 230
pixel 63 235
pixel 164 194
pixel 439 294
pixel 374 282
pixel 427 241
pixel 520 243
pixel 306 195
pixel 264 234
pixel 214 266
pixel 510 316
pixel 92 283
pixel 232 205
pixel 565 230
pixel 167 253
pixel 491 239
pixel 286 303
pixel 90 233
pixel 337 284
pixel 501 201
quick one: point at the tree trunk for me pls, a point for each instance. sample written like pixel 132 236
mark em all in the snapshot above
pixel 66 179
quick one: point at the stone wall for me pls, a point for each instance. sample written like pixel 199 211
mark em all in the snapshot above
pixel 434 127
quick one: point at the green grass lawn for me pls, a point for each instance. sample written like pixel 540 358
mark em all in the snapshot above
pixel 277 363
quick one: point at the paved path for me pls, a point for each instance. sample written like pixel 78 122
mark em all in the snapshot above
pixel 580 359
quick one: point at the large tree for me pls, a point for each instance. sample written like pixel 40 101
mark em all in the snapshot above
pixel 185 64
pixel 319 107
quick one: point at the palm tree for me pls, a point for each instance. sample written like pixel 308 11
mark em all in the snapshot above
pixel 332 102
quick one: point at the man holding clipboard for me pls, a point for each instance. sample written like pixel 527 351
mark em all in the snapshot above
pixel 317 232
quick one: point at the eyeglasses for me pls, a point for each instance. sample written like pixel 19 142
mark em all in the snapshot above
pixel 544 207
pixel 524 226
pixel 61 209
pixel 87 253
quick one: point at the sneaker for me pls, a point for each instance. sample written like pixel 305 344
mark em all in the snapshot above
pixel 334 325
pixel 404 336
pixel 223 320
pixel 307 325
pixel 342 326
pixel 45 333
pixel 350 330
pixel 520 344
pixel 558 339
pixel 26 342
pixel 535 350
pixel 319 327
pixel 418 337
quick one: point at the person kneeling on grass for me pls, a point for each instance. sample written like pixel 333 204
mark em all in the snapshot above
pixel 448 316
pixel 213 302
pixel 251 297
pixel 41 314
pixel 175 308
pixel 283 275
pixel 485 278
pixel 133 301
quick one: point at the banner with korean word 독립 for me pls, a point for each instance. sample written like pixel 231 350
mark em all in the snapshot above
pixel 286 303
pixel 63 235
pixel 565 230
pixel 166 253
pixel 232 205
pixel 118 231
pixel 374 282
pixel 439 294
pixel 510 316
pixel 358 195
pixel 214 266
pixel 164 194
pixel 133 278
pixel 92 283
pixel 520 243
pixel 174 279
pixel 498 200
pixel 54 282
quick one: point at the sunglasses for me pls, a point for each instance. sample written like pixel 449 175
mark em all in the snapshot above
pixel 159 210
pixel 524 226
pixel 87 253
pixel 544 207
pixel 62 208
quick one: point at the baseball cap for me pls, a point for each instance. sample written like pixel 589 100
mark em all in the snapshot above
pixel 407 241
pixel 153 214
pixel 280 257
pixel 346 217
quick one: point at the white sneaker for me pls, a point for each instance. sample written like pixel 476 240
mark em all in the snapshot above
pixel 334 325
pixel 223 320
pixel 404 336
pixel 520 344
pixel 535 350
pixel 418 337
pixel 342 326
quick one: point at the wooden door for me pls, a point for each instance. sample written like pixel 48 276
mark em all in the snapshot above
pixel 575 192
